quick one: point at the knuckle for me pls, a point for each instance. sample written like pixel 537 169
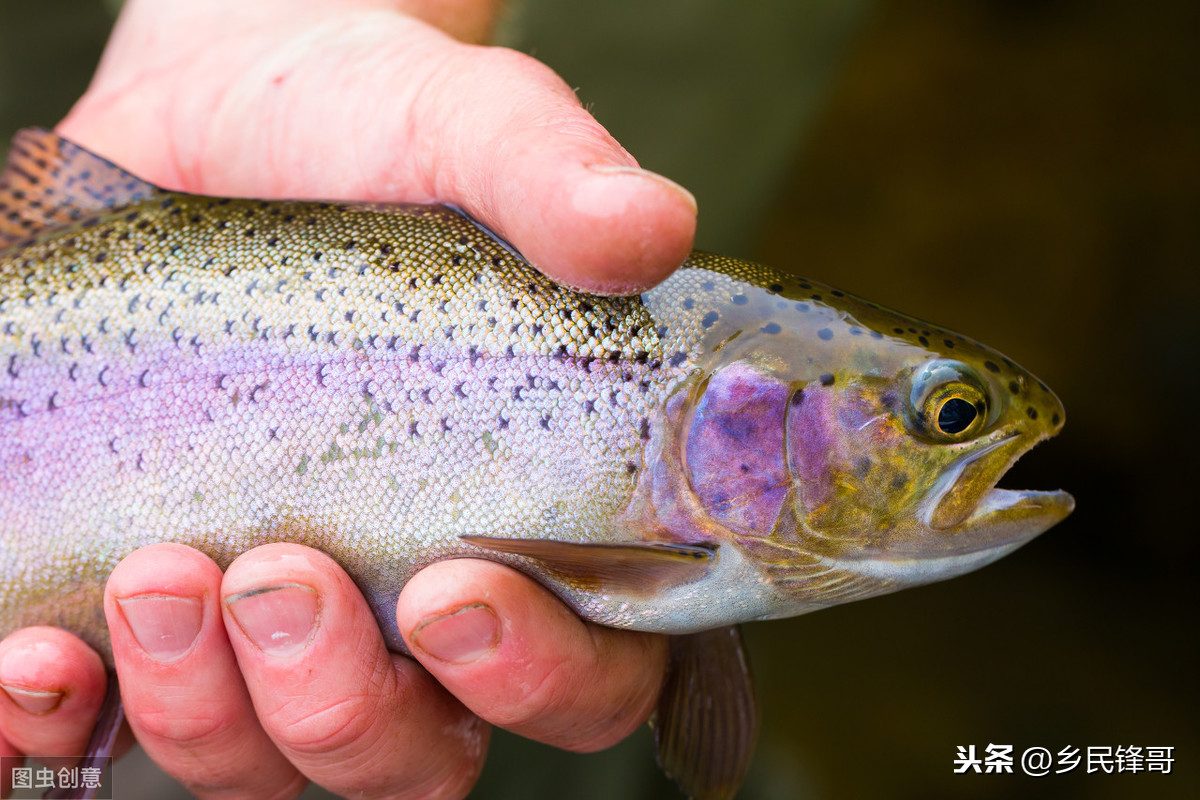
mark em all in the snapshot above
pixel 183 731
pixel 585 705
pixel 546 695
pixel 338 725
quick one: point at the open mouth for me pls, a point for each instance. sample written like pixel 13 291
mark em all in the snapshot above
pixel 968 505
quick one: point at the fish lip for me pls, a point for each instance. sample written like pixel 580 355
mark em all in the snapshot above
pixel 967 505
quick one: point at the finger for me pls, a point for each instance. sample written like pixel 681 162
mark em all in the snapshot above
pixel 517 657
pixel 53 686
pixel 351 716
pixel 7 751
pixel 183 694
pixel 373 105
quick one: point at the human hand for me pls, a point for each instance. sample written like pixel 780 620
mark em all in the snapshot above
pixel 240 692
pixel 358 100
pixel 275 99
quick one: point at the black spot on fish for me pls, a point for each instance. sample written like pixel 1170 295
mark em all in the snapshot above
pixel 545 421
pixel 991 366
pixel 924 342
pixel 503 423
pixel 1055 419
pixel 678 359
pixel 688 304
pixel 949 343
pixel 816 297
pixel 771 327
pixel 827 379
pixel 1014 387
pixel 589 406
pixel 775 288
pixel 825 334
pixel 644 430
pixel 1032 412
pixel 740 300
pixel 710 319
pixel 837 293
pixel 630 467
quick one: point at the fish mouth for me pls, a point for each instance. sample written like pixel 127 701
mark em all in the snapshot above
pixel 967 505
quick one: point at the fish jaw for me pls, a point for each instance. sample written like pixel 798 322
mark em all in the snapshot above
pixel 967 506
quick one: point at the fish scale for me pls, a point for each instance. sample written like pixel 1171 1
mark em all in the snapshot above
pixel 394 385
pixel 436 425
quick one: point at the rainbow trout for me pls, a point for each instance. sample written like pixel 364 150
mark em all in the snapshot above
pixel 393 385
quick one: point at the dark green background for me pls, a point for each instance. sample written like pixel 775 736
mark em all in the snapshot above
pixel 1024 171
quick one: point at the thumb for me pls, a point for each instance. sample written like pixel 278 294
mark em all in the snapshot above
pixel 371 104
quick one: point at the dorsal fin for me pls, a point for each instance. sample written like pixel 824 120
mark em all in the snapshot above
pixel 49 182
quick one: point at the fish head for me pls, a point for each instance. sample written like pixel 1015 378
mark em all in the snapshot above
pixel 852 451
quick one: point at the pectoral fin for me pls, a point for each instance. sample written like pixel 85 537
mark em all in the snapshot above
pixel 633 568
pixel 706 722
pixel 100 746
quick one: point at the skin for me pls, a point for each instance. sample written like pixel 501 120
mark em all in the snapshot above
pixel 235 98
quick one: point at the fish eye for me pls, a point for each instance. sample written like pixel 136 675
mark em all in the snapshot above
pixel 948 402
pixel 955 416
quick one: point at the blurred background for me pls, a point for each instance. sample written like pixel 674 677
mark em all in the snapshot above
pixel 1025 171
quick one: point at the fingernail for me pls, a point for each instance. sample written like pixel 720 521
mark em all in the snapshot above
pixel 461 636
pixel 278 619
pixel 165 626
pixel 614 169
pixel 34 702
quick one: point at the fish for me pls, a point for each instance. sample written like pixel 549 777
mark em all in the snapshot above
pixel 395 385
